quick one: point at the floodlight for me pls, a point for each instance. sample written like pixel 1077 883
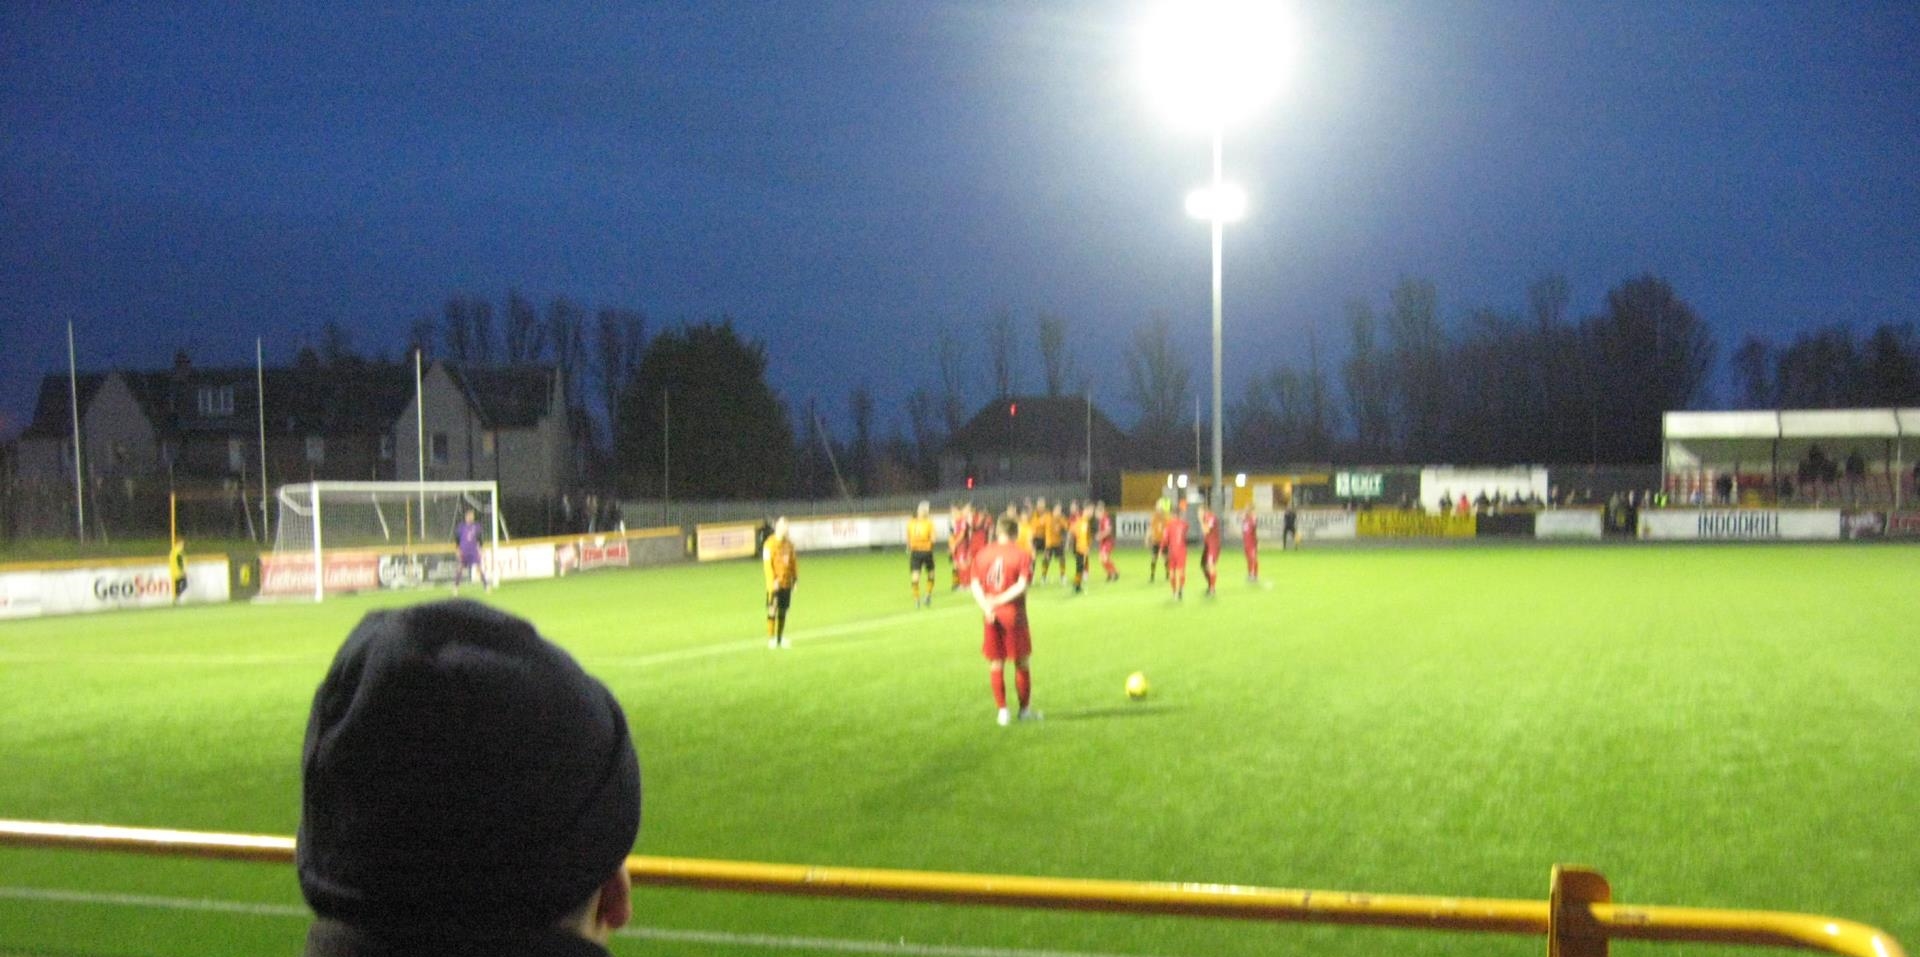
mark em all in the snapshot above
pixel 1226 203
pixel 1211 63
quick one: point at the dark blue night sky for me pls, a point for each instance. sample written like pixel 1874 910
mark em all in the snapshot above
pixel 845 179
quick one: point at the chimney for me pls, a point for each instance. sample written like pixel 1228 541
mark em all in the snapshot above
pixel 177 388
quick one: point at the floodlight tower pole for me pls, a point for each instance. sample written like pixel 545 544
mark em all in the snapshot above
pixel 1219 235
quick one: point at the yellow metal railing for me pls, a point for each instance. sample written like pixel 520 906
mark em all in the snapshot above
pixel 1578 919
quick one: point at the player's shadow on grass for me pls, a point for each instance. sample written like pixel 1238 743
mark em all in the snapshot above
pixel 1119 711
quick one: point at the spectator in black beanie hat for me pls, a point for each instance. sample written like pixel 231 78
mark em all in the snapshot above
pixel 466 789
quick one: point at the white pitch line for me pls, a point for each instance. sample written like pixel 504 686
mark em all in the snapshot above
pixel 840 945
pixel 51 895
pixel 739 647
pixel 95 658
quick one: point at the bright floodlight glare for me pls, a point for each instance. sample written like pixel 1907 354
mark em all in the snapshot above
pixel 1211 63
pixel 1229 204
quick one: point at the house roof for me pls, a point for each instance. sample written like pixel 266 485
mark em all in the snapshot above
pixel 507 397
pixel 52 411
pixel 359 397
pixel 1036 425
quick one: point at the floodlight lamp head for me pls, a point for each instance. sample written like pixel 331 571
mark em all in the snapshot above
pixel 1213 63
pixel 1227 204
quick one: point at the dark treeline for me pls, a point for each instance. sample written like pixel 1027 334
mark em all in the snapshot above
pixel 1827 369
pixel 1538 386
pixel 688 409
pixel 1541 386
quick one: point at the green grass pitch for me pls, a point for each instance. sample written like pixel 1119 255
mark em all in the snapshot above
pixel 1709 726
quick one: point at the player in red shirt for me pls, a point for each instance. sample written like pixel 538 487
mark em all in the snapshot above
pixel 1103 534
pixel 1001 573
pixel 1250 540
pixel 1210 547
pixel 959 543
pixel 1175 543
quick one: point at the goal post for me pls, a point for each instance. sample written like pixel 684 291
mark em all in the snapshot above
pixel 318 517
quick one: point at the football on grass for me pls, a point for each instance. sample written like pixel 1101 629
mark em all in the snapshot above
pixel 1137 685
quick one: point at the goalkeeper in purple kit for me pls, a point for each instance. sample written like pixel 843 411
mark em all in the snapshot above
pixel 467 537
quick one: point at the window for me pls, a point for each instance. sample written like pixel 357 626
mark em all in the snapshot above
pixel 440 445
pixel 236 454
pixel 316 449
pixel 386 447
pixel 216 401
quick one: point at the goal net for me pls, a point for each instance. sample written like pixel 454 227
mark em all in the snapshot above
pixel 396 518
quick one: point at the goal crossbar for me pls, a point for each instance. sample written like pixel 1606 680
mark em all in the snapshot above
pixel 380 513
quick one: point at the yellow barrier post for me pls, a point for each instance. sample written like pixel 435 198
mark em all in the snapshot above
pixel 1572 930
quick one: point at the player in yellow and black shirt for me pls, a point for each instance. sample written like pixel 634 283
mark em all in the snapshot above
pixel 177 568
pixel 1080 528
pixel 782 569
pixel 920 554
pixel 1156 537
pixel 1055 534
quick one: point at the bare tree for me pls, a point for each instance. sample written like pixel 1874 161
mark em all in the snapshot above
pixel 480 341
pixel 1548 298
pixel 566 330
pixel 456 329
pixel 953 381
pixel 620 338
pixel 860 404
pixel 1056 359
pixel 1654 352
pixel 1890 369
pixel 1001 352
pixel 420 336
pixel 1753 373
pixel 1319 425
pixel 525 338
pixel 1419 366
pixel 1159 383
pixel 923 417
pixel 1369 399
pixel 336 344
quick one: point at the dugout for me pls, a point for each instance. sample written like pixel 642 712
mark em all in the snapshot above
pixel 1798 456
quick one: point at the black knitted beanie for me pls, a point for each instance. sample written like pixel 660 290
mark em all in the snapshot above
pixel 462 776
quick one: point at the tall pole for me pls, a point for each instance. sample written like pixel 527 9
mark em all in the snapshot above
pixel 1198 464
pixel 73 394
pixel 666 454
pixel 260 406
pixel 1089 476
pixel 420 441
pixel 1219 231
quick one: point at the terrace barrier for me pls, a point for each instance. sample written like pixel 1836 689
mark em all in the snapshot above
pixel 1579 918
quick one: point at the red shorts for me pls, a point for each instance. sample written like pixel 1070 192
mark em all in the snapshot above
pixel 1177 559
pixel 1007 637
